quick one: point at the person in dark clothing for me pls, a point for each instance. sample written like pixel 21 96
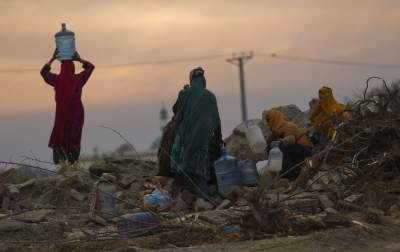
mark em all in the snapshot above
pixel 197 124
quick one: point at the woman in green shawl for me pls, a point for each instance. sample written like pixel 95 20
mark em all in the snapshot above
pixel 197 124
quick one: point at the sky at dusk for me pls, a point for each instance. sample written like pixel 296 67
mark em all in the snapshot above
pixel 129 98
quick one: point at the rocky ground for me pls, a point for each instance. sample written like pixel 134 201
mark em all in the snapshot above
pixel 337 204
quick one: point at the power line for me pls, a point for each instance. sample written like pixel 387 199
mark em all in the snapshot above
pixel 131 64
pixel 326 61
pixel 217 56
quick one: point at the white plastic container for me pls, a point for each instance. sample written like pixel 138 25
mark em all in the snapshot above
pixel 65 43
pixel 275 158
pixel 255 137
pixel 269 169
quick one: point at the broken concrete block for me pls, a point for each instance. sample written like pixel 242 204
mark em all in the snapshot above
pixel 325 201
pixel 98 220
pixel 76 195
pixel 202 205
pixel 333 217
pixel 13 190
pixel 7 225
pixel 34 216
pixel 75 235
pixel 127 180
pixel 5 204
pixel 74 180
pixel 303 205
pixel 26 184
pixel 226 203
pixel 354 199
pixel 99 169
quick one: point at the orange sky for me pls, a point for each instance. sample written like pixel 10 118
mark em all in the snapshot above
pixel 109 32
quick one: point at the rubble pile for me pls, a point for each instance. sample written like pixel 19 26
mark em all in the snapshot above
pixel 237 144
pixel 352 181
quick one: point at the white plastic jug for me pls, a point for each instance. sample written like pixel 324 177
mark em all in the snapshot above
pixel 255 137
pixel 65 43
pixel 275 158
pixel 269 169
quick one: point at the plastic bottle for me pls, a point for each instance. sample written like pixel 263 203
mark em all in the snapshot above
pixel 106 199
pixel 275 158
pixel 65 43
pixel 255 137
pixel 269 170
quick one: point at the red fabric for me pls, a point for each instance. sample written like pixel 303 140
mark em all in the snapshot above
pixel 68 124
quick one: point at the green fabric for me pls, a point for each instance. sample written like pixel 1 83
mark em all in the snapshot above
pixel 197 119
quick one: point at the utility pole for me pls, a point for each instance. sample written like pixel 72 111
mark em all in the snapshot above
pixel 239 60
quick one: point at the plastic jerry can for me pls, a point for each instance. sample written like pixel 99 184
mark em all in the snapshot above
pixel 255 137
pixel 227 173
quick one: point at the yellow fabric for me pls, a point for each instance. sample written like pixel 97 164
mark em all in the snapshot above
pixel 282 127
pixel 324 112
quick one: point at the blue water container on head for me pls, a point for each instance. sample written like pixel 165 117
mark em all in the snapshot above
pixel 65 43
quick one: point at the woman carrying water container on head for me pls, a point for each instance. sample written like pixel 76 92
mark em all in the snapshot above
pixel 293 142
pixel 65 138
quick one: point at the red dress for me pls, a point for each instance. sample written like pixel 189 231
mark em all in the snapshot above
pixel 68 124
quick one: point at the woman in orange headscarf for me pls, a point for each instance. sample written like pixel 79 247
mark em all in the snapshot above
pixel 326 114
pixel 294 143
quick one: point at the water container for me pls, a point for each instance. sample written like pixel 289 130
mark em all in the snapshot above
pixel 269 169
pixel 248 170
pixel 137 221
pixel 65 43
pixel 106 200
pixel 275 158
pixel 227 173
pixel 255 137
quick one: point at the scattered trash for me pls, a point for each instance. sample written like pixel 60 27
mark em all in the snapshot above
pixel 158 199
pixel 137 221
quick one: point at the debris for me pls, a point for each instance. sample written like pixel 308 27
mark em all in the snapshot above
pixel 326 203
pixel 75 235
pixel 137 221
pixel 76 195
pixel 7 225
pixel 99 169
pixel 354 199
pixel 33 216
pixel 126 181
pixel 226 203
pixel 202 205
pixel 13 190
pixel 303 205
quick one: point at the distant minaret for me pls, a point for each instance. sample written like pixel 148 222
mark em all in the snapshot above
pixel 163 117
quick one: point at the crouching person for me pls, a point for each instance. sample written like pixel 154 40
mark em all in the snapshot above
pixel 294 143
